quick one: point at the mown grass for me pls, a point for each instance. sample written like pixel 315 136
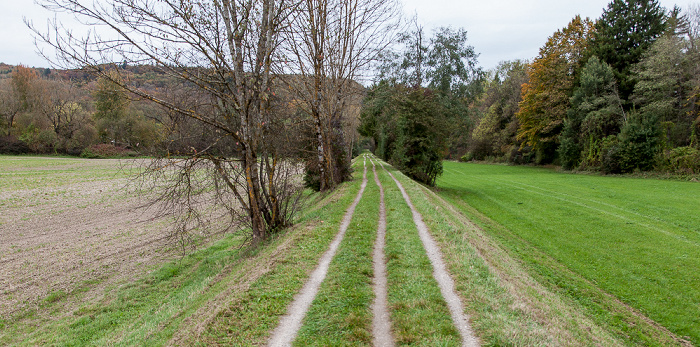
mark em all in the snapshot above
pixel 506 306
pixel 341 314
pixel 587 236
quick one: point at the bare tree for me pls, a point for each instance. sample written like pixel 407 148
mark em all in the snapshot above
pixel 10 105
pixel 222 52
pixel 61 104
pixel 330 44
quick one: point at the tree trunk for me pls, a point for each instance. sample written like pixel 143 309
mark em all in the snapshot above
pixel 321 151
pixel 257 219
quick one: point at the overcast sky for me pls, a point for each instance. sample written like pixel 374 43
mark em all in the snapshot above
pixel 498 29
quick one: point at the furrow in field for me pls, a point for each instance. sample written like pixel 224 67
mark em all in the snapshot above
pixel 443 278
pixel 63 243
pixel 289 324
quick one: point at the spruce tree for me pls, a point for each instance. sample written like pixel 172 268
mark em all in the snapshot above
pixel 625 31
pixel 595 113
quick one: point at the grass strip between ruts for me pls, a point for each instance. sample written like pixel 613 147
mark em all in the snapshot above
pixel 419 313
pixel 341 314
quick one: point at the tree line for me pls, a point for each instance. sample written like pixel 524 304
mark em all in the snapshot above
pixel 615 95
pixel 43 111
pixel 618 94
pixel 419 109
pixel 246 95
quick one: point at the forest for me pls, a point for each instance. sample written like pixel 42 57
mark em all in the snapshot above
pixel 617 94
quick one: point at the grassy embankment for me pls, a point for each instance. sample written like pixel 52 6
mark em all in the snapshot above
pixel 341 313
pixel 224 295
pixel 506 305
pixel 623 249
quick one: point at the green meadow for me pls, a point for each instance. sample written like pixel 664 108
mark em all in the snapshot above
pixel 617 246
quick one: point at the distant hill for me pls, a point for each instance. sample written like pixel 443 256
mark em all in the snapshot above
pixel 141 75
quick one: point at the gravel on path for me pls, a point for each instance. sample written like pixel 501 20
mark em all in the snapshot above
pixel 381 325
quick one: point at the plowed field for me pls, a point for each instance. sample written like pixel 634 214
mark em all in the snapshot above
pixel 71 225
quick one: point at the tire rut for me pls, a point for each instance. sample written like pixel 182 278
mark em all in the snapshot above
pixel 443 278
pixel 289 324
pixel 381 324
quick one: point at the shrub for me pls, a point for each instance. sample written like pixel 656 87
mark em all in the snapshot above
pixel 84 137
pixel 312 177
pixel 105 150
pixel 685 160
pixel 570 149
pixel 38 140
pixel 610 155
pixel 467 157
pixel 640 140
pixel 481 149
pixel 13 145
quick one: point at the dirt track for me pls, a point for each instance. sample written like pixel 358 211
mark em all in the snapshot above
pixel 71 230
pixel 443 278
pixel 381 324
pixel 290 323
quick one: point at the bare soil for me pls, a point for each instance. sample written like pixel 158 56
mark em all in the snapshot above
pixel 72 232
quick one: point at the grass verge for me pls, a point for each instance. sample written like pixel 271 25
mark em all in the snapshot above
pixel 249 316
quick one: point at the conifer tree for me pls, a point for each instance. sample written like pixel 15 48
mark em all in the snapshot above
pixel 625 31
pixel 596 112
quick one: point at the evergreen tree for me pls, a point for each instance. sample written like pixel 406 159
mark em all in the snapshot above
pixel 639 143
pixel 409 127
pixel 421 140
pixel 596 112
pixel 665 87
pixel 378 119
pixel 625 31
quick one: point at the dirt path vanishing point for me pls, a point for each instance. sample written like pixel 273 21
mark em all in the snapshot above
pixel 381 325
pixel 445 282
pixel 290 323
